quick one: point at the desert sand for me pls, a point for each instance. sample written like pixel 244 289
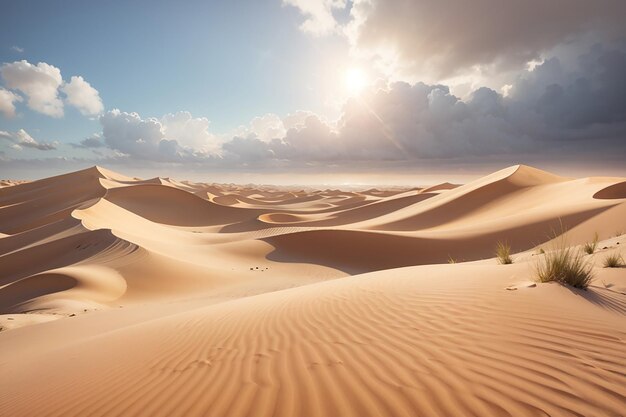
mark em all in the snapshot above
pixel 121 296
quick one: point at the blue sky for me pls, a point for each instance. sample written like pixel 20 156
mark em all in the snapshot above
pixel 228 61
pixel 311 85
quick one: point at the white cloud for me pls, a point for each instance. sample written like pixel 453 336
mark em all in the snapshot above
pixel 174 137
pixel 17 49
pixel 319 19
pixel 83 96
pixel 247 149
pixel 7 102
pixel 39 83
pixel 130 134
pixel 271 126
pixel 21 139
pixel 189 132
pixel 297 119
pixel 265 128
pixel 268 127
pixel 571 108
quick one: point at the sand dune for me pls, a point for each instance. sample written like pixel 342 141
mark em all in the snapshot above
pixel 440 187
pixel 121 296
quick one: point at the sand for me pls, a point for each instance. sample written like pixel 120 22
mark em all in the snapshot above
pixel 121 296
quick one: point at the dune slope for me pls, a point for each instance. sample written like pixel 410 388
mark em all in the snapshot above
pixel 121 296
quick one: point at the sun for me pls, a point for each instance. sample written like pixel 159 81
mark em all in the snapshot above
pixel 355 80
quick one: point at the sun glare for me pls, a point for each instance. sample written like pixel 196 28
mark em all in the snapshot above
pixel 355 80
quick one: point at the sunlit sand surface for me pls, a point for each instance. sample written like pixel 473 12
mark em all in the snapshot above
pixel 121 296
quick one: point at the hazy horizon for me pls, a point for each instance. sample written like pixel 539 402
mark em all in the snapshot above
pixel 340 179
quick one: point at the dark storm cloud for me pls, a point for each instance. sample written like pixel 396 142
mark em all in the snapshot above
pixel 438 39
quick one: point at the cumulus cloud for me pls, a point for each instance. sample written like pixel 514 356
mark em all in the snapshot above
pixel 83 96
pixel 271 126
pixel 315 139
pixel 549 107
pixel 21 139
pixel 265 128
pixel 403 122
pixel 40 84
pixel 268 127
pixel 564 105
pixel 319 19
pixel 189 132
pixel 91 142
pixel 247 149
pixel 297 119
pixel 132 135
pixel 7 102
pixel 431 40
pixel 174 137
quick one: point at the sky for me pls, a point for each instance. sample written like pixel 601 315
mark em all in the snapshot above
pixel 312 91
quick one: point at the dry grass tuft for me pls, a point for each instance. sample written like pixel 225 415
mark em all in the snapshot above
pixel 590 247
pixel 503 253
pixel 564 264
pixel 614 260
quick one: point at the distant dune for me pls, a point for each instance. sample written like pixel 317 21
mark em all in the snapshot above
pixel 121 296
pixel 7 183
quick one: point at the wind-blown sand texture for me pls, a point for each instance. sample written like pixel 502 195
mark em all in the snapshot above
pixel 155 297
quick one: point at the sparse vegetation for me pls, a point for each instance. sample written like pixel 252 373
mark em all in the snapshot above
pixel 503 253
pixel 614 260
pixel 541 251
pixel 564 264
pixel 451 260
pixel 590 247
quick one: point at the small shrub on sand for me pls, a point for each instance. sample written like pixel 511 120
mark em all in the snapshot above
pixel 564 264
pixel 451 260
pixel 590 247
pixel 503 253
pixel 614 260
